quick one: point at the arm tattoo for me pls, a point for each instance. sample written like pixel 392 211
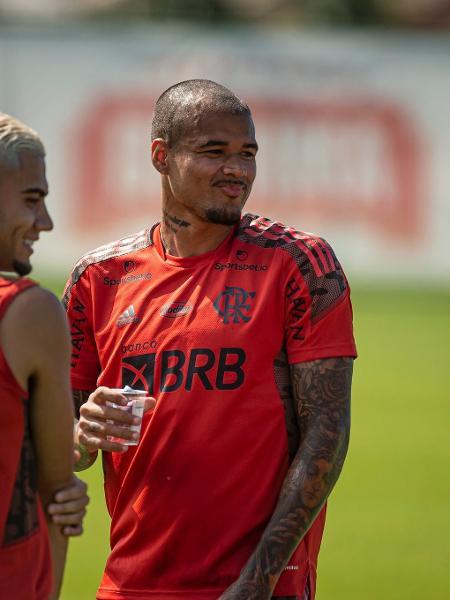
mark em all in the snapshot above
pixel 79 398
pixel 321 391
pixel 86 458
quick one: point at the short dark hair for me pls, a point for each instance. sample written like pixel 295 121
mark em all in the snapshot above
pixel 177 107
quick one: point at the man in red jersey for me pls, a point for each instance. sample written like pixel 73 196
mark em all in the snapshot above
pixel 36 418
pixel 241 327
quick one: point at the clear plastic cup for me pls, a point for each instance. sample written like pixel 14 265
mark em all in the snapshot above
pixel 135 406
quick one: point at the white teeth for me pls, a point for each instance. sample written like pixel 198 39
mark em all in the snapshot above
pixel 28 243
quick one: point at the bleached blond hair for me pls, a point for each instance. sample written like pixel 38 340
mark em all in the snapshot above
pixel 16 137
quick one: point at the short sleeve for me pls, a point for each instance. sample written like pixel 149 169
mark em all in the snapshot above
pixel 85 365
pixel 318 309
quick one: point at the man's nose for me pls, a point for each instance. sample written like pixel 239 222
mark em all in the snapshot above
pixel 44 221
pixel 234 166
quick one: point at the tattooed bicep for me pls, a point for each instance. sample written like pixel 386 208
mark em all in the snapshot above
pixel 79 398
pixel 321 387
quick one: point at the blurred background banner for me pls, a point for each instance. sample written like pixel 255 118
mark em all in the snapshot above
pixel 353 128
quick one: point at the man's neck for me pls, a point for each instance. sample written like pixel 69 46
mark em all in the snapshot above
pixel 184 238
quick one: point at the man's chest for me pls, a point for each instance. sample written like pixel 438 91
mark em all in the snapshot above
pixel 194 324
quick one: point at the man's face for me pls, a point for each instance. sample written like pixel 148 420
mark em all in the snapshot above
pixel 23 214
pixel 212 167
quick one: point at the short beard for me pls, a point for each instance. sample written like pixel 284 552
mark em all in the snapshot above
pixel 222 216
pixel 21 268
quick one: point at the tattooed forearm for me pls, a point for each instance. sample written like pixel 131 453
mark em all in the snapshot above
pixel 321 391
pixel 79 398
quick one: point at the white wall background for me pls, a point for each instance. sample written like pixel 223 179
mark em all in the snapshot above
pixel 354 133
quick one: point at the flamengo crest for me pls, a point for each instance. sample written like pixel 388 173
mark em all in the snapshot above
pixel 233 304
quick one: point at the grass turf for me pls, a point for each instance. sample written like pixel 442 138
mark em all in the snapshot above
pixel 388 527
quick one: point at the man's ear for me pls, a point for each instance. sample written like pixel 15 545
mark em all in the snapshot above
pixel 159 155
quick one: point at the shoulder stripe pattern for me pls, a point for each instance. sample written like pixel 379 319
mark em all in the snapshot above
pixel 278 235
pixel 125 245
pixel 314 257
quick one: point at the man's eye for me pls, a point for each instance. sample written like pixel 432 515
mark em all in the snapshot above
pixel 247 154
pixel 212 151
pixel 32 200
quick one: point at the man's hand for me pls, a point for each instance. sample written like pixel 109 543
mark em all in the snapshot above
pixel 69 507
pixel 99 420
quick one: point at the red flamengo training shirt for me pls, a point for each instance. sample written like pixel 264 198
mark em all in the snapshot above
pixel 211 337
pixel 25 562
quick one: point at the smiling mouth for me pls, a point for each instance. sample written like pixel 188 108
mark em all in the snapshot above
pixel 231 188
pixel 28 243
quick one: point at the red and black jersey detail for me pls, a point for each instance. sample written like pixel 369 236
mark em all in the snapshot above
pixel 281 374
pixel 121 247
pixel 313 256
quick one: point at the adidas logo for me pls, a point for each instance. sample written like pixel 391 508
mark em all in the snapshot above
pixel 127 317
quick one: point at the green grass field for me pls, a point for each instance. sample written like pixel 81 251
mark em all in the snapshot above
pixel 388 530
